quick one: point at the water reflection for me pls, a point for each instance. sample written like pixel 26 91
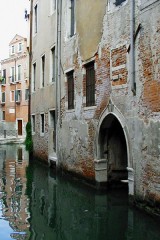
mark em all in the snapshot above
pixel 13 200
pixel 36 204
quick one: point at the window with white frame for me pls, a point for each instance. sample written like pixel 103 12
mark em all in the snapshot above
pixel 34 77
pixel 19 72
pixel 18 95
pixel 20 47
pixel 12 98
pixel 12 49
pixel 12 74
pixel 27 94
pixel 53 64
pixel 33 123
pixel 42 123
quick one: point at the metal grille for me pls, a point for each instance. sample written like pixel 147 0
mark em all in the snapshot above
pixel 70 90
pixel 90 85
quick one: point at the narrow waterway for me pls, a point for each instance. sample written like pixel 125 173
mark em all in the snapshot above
pixel 36 204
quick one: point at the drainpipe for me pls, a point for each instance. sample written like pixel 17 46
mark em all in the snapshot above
pixel 132 58
pixel 58 69
pixel 30 59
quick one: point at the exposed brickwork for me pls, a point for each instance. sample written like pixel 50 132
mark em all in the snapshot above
pixel 103 87
pixel 119 60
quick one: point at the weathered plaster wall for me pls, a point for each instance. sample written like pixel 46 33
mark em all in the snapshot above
pixel 113 84
pixel 89 20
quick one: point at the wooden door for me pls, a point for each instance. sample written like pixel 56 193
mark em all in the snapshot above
pixel 20 127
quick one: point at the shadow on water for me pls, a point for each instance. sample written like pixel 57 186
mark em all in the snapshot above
pixel 36 204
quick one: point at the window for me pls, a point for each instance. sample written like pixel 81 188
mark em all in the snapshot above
pixel 34 77
pixel 27 94
pixel 42 123
pixel 12 49
pixel 3 76
pixel 12 96
pixel 43 69
pixel 3 116
pixel 19 72
pixel 53 64
pixel 53 5
pixel 90 84
pixel 18 95
pixel 70 81
pixel 3 97
pixel 35 19
pixel 12 77
pixel 19 47
pixel 72 18
pixel 52 119
pixel 33 123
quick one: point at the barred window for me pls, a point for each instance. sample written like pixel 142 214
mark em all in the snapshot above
pixel 70 81
pixel 90 84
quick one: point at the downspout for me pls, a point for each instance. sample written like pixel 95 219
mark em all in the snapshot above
pixel 58 69
pixel 30 60
pixel 132 57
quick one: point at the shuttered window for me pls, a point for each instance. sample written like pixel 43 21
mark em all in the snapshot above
pixel 70 81
pixel 90 84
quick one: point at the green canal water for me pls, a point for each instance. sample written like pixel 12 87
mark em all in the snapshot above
pixel 36 204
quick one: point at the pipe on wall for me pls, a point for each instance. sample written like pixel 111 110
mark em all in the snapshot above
pixel 132 57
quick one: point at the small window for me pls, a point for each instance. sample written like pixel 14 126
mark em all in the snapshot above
pixel 12 99
pixel 3 81
pixel 33 123
pixel 34 77
pixel 3 116
pixel 19 72
pixel 43 69
pixel 90 84
pixel 12 77
pixel 27 94
pixel 52 119
pixel 42 123
pixel 18 95
pixel 35 19
pixel 19 47
pixel 3 97
pixel 12 49
pixel 70 82
pixel 53 64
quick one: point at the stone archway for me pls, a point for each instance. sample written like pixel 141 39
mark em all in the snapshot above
pixel 113 148
pixel 113 161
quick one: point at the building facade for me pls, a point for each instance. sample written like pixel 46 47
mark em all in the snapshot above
pixel 107 91
pixel 14 87
pixel 43 78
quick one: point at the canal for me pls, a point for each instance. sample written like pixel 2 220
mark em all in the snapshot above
pixel 36 204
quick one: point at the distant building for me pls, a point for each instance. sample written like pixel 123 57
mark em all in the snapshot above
pixel 14 90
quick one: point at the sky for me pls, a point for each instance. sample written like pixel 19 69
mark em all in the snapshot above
pixel 12 22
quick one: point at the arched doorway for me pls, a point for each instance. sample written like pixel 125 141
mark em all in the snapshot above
pixel 113 148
